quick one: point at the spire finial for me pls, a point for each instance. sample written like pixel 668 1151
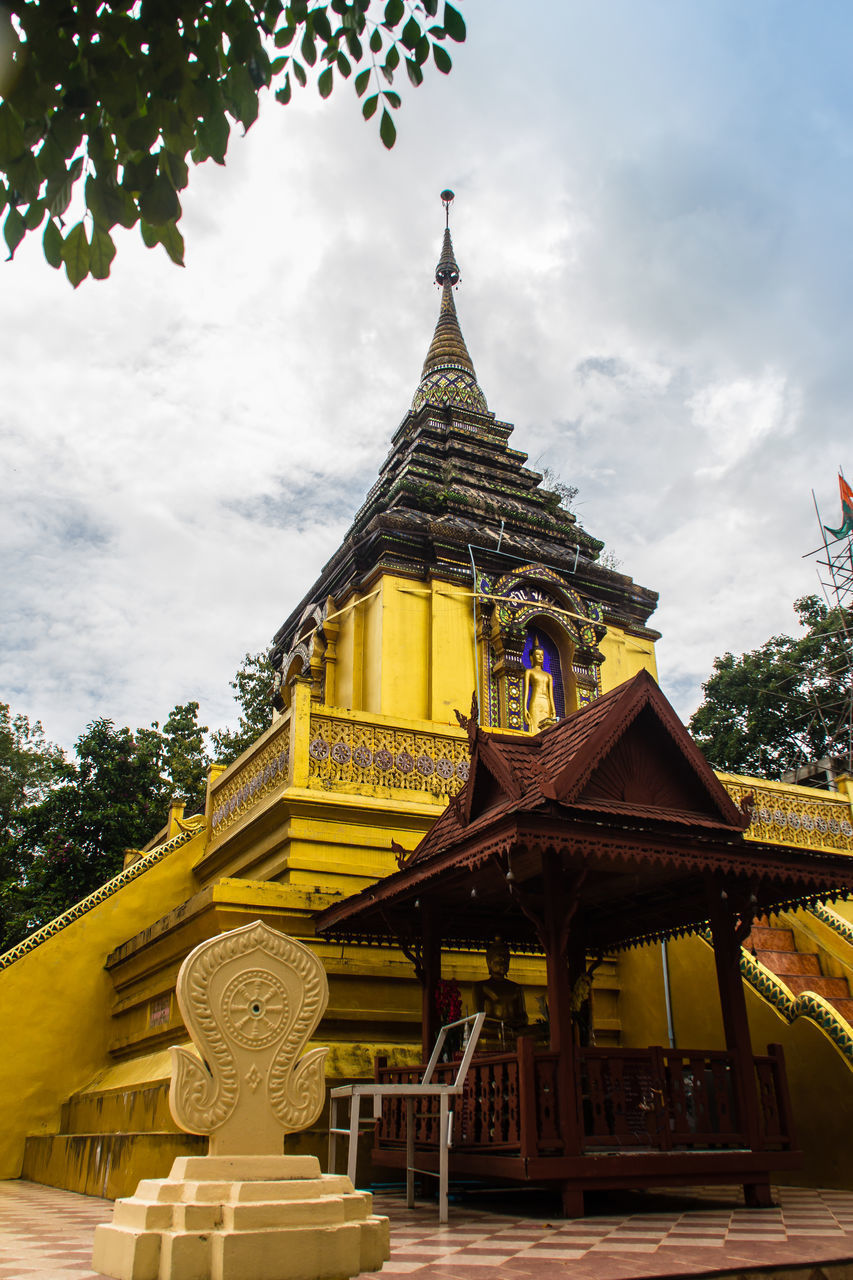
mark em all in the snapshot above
pixel 447 271
pixel 447 198
pixel 448 376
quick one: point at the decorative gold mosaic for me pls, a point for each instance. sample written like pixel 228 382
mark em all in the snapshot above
pixel 269 770
pixel 782 817
pixel 346 755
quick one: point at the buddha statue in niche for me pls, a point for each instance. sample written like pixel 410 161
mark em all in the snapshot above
pixel 538 699
pixel 498 996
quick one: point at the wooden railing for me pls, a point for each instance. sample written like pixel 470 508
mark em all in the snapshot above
pixel 628 1099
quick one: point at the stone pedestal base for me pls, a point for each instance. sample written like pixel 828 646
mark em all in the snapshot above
pixel 243 1218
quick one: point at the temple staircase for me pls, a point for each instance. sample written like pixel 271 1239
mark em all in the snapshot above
pixel 790 954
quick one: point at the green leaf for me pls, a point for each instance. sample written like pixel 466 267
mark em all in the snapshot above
pixel 150 235
pixel 354 46
pixel 159 203
pixel 410 34
pixel 175 168
pixel 284 37
pixel 139 173
pixel 75 254
pixel 141 133
pixel 343 65
pixel 24 177
pixel 393 99
pixel 321 24
pixel 415 74
pixel 454 23
pixel 442 58
pixel 307 49
pixel 173 242
pixel 12 143
pixel 369 106
pixel 101 253
pixel 361 81
pixel 243 96
pixel 14 230
pixel 392 62
pixel 278 64
pixel 387 130
pixel 51 158
pixel 213 134
pixel 66 127
pixel 33 216
pixel 284 94
pixel 325 82
pixel 299 72
pixel 422 49
pixel 394 11
pixel 58 194
pixel 52 244
pixel 375 40
pixel 109 204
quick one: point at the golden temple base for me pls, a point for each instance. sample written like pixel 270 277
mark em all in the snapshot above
pixel 243 1218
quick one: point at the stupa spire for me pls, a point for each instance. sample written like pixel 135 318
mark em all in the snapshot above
pixel 448 375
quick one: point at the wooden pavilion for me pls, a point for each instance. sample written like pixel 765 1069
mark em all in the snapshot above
pixel 606 830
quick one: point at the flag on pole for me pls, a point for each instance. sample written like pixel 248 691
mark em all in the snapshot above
pixel 846 510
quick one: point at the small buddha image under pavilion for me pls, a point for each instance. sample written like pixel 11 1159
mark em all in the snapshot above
pixel 501 999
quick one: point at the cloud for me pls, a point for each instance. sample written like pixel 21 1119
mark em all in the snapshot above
pixel 652 225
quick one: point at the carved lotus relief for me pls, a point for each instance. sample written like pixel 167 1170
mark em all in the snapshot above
pixel 250 999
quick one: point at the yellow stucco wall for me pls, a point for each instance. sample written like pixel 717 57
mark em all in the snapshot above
pixel 56 1002
pixel 624 656
pixel 406 649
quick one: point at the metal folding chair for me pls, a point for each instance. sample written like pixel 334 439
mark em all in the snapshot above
pixel 411 1092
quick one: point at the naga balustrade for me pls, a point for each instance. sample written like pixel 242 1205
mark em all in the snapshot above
pixel 628 1099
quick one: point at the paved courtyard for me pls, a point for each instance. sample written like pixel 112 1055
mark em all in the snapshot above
pixel 46 1234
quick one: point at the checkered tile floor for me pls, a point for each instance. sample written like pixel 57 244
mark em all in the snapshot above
pixel 46 1234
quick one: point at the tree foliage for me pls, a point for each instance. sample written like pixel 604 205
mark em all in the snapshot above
pixel 253 687
pixel 783 704
pixel 68 824
pixel 114 98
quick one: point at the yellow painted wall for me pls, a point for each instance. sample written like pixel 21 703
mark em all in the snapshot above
pixel 56 1002
pixel 406 649
pixel 624 656
pixel 372 615
pixel 406 656
pixel 452 672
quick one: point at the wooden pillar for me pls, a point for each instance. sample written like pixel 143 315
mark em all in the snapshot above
pixel 431 972
pixel 560 905
pixel 727 935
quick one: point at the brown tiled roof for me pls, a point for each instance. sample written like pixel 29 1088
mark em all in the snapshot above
pixel 552 768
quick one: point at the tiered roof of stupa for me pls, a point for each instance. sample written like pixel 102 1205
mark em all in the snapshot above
pixel 451 482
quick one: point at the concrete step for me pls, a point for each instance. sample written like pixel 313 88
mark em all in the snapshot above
pixel 770 939
pixel 143 1109
pixel 105 1164
pixel 785 962
pixel 829 988
pixel 844 1007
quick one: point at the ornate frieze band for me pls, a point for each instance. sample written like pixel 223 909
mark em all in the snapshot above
pixel 785 818
pixel 348 755
pixel 266 772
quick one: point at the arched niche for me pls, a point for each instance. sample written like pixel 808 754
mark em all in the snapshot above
pixel 513 608
pixel 306 658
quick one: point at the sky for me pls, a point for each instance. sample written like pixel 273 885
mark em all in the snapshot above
pixel 653 224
